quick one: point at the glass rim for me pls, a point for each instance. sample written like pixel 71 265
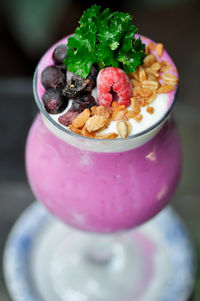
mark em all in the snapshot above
pixel 68 132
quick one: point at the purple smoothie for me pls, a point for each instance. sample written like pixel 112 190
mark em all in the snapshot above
pixel 103 192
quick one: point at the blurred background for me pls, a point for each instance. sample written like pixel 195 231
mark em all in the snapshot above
pixel 28 28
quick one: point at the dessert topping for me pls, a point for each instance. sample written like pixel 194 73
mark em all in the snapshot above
pixel 53 77
pixel 59 54
pixel 113 84
pixel 105 38
pixel 67 118
pixel 54 102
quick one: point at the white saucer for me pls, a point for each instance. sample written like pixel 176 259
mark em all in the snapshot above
pixel 25 262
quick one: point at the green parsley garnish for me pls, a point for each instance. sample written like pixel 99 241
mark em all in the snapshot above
pixel 105 38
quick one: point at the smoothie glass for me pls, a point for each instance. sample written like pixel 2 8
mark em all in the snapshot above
pixel 103 187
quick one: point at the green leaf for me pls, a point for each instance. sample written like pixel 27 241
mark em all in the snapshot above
pixel 105 38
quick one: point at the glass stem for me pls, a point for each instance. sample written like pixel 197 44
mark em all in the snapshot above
pixel 100 249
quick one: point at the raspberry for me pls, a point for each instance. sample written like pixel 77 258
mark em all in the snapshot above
pixel 67 118
pixel 113 84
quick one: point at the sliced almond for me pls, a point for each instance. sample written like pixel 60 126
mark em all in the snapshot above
pixel 101 111
pixel 145 92
pixel 130 114
pixel 149 60
pixel 106 125
pixel 135 105
pixel 159 49
pixel 152 71
pixel 122 129
pixel 142 74
pixel 147 50
pixel 165 89
pixel 94 123
pixel 81 119
pixel 138 117
pixel 169 79
pixel 119 115
pixel 74 130
pixel 150 84
pixel 136 90
pixel 135 75
pixel 150 110
pixel 165 66
pixel 156 66
pixel 87 134
pixel 114 105
pixel 151 98
pixel 107 136
pixel 152 77
pixel 151 46
pixel 135 83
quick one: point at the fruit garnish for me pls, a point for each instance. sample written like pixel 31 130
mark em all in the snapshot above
pixel 59 54
pixel 77 86
pixel 53 77
pixel 105 38
pixel 54 102
pixel 82 103
pixel 113 85
pixel 67 118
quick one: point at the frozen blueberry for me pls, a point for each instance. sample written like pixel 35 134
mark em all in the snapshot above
pixel 53 77
pixel 77 87
pixel 54 102
pixel 80 104
pixel 59 54
pixel 93 75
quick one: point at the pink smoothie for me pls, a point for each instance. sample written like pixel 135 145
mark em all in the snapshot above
pixel 103 192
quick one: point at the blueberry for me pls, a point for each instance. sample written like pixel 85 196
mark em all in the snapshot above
pixel 54 102
pixel 93 75
pixel 53 77
pixel 80 104
pixel 77 87
pixel 59 54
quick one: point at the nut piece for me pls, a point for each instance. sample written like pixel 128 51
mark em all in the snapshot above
pixel 165 89
pixel 94 123
pixel 150 84
pixel 151 46
pixel 81 119
pixel 151 98
pixel 138 117
pixel 150 110
pixel 130 114
pixel 169 79
pixel 87 134
pixel 107 136
pixel 145 92
pixel 77 131
pixel 135 105
pixel 122 129
pixel 119 115
pixel 159 49
pixel 149 60
pixel 142 74
pixel 101 111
